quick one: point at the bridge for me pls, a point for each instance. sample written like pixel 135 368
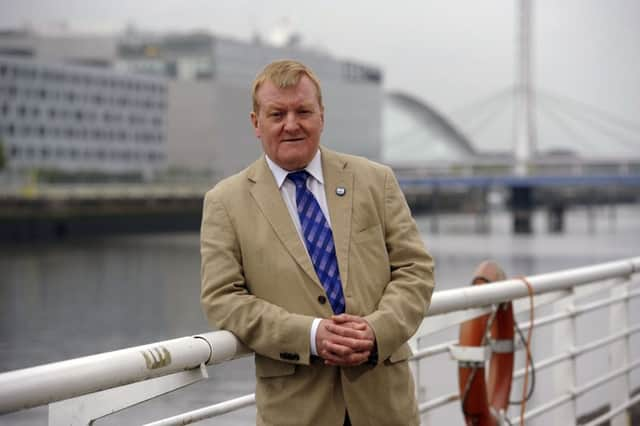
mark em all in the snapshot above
pixel 526 169
pixel 554 184
pixel 31 211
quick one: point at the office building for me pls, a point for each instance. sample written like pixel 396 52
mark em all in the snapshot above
pixel 74 118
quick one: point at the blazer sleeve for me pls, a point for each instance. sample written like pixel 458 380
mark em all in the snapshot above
pixel 407 296
pixel 264 327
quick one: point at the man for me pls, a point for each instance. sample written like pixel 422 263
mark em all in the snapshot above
pixel 311 258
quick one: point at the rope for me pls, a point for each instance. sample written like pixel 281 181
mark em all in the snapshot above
pixel 528 346
pixel 533 367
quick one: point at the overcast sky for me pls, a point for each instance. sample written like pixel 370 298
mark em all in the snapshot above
pixel 449 53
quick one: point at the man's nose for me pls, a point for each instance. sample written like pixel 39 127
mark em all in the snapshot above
pixel 291 122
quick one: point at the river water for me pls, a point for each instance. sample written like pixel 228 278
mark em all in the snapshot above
pixel 75 298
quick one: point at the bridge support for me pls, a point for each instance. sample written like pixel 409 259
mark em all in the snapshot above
pixel 522 209
pixel 555 218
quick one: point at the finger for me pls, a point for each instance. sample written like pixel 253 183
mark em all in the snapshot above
pixel 356 345
pixel 346 331
pixel 342 318
pixel 338 349
pixel 353 345
pixel 328 354
pixel 363 325
pixel 355 325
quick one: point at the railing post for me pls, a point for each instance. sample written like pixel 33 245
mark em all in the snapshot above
pixel 83 410
pixel 564 374
pixel 421 392
pixel 619 389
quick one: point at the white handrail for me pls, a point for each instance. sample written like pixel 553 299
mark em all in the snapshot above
pixel 614 412
pixel 488 294
pixel 207 412
pixel 35 386
pixel 57 381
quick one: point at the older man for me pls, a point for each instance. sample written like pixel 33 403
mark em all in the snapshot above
pixel 311 258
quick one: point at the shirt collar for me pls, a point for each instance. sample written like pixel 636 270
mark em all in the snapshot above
pixel 314 168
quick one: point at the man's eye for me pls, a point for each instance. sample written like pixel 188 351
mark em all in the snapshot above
pixel 304 112
pixel 275 114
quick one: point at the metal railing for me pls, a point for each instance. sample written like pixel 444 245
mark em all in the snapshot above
pixel 489 166
pixel 81 390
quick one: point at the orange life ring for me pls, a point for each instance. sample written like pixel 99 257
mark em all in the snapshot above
pixel 479 399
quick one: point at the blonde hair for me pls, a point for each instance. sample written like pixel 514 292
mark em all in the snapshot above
pixel 284 73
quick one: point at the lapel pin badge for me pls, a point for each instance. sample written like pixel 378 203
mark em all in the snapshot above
pixel 340 191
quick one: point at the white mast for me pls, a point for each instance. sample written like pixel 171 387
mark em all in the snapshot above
pixel 524 125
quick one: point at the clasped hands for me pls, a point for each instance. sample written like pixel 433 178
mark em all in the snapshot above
pixel 345 340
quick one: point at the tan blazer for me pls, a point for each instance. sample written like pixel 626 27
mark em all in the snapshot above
pixel 259 283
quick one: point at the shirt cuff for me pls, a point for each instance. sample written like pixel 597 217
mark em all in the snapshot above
pixel 312 335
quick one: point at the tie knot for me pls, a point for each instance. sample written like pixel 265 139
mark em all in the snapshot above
pixel 298 178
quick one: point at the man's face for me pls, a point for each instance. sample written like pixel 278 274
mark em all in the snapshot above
pixel 289 122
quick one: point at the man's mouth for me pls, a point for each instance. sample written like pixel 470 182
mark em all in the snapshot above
pixel 290 140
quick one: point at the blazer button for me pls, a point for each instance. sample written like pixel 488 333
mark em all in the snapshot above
pixel 322 300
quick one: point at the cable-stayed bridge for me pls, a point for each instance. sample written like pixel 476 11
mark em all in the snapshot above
pixel 597 153
pixel 557 146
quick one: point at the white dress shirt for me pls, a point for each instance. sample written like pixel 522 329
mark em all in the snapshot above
pixel 288 192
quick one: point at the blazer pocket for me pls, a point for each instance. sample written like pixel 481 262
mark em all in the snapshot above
pixel 368 233
pixel 267 367
pixel 401 354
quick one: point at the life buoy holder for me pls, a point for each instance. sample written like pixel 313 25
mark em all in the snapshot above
pixel 485 400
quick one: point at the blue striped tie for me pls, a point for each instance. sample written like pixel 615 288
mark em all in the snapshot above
pixel 319 241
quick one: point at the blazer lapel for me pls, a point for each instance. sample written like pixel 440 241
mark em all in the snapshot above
pixel 267 195
pixel 339 181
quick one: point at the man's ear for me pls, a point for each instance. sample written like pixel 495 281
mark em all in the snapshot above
pixel 254 122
